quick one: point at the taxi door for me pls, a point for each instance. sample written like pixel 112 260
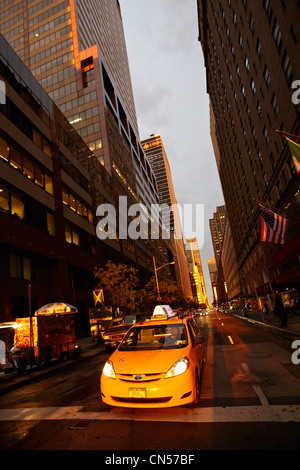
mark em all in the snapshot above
pixel 197 342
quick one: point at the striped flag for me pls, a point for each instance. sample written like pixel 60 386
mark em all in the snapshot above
pixel 295 151
pixel 273 226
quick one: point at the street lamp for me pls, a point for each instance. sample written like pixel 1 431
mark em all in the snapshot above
pixel 155 271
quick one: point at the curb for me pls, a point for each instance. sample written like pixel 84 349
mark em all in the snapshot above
pixel 13 381
pixel 282 331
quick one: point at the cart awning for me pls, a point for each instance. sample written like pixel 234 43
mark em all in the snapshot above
pixel 56 308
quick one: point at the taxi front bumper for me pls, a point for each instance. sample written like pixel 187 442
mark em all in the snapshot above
pixel 150 391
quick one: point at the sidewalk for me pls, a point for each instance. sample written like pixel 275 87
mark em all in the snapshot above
pixel 12 380
pixel 269 319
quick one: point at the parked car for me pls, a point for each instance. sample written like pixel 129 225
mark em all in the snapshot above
pixel 113 334
pixel 158 364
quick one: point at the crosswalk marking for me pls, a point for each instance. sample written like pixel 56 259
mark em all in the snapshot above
pixel 274 413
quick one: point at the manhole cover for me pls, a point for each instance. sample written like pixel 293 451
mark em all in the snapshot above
pixel 81 424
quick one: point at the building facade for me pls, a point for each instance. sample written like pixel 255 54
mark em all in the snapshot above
pixel 251 58
pixel 169 216
pixel 69 143
pixel 196 272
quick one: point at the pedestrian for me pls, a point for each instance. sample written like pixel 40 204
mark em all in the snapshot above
pixel 280 312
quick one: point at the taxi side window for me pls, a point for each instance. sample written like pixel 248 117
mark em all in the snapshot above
pixel 194 330
pixel 191 331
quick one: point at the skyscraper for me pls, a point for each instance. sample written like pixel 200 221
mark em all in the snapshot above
pixel 76 50
pixel 157 157
pixel 251 59
pixel 217 229
pixel 195 270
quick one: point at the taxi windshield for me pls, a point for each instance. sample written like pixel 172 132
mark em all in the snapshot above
pixel 155 337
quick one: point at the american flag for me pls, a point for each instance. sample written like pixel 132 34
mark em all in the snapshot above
pixel 273 226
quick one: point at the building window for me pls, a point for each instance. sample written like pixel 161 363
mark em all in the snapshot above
pixel 28 167
pixel 275 105
pixel 287 67
pixel 4 199
pixel 71 234
pixel 277 35
pixel 17 205
pixel 267 76
pixel 20 267
pixel 51 224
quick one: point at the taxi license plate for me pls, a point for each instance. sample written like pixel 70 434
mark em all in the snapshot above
pixel 137 393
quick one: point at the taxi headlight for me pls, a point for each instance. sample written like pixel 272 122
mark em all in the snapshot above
pixel 108 370
pixel 178 368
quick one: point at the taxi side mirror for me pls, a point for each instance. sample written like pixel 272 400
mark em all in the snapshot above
pixel 199 340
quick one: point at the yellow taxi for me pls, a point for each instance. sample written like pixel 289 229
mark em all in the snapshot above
pixel 158 363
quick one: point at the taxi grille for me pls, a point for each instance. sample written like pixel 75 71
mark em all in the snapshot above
pixel 142 400
pixel 141 377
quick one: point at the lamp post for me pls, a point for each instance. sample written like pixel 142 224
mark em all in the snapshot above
pixel 156 278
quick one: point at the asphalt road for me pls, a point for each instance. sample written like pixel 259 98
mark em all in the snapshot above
pixel 250 400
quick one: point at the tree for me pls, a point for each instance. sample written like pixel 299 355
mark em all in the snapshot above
pixel 119 283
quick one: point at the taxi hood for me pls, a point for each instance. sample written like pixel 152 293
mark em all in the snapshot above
pixel 147 361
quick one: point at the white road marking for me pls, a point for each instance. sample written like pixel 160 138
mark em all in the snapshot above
pixel 262 397
pixel 236 414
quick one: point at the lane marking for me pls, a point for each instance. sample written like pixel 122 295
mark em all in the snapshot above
pixel 230 339
pixel 262 397
pixel 238 414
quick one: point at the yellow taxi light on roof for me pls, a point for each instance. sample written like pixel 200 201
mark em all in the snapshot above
pixel 162 312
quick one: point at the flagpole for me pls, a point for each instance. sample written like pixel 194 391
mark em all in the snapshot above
pixel 286 133
pixel 276 208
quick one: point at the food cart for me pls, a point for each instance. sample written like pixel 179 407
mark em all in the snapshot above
pixel 49 334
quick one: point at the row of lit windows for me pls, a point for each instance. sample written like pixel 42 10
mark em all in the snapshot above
pixel 25 208
pixel 15 115
pixel 20 160
pixel 77 205
pixel 87 114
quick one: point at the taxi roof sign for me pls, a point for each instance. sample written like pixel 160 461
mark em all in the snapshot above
pixel 162 312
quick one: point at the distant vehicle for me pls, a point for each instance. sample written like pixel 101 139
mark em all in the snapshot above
pixel 113 333
pixel 158 364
